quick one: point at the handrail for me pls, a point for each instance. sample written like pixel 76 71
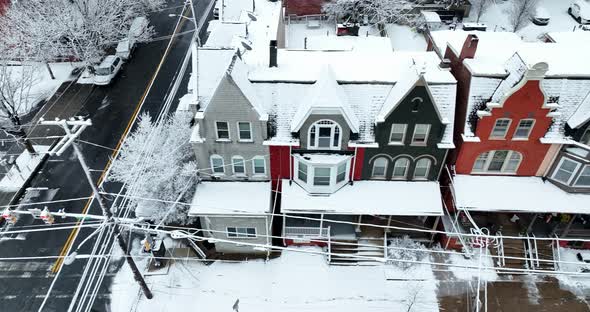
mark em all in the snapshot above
pixel 385 256
pixel 528 250
pixel 329 246
pixel 536 251
pixel 558 252
pixel 500 248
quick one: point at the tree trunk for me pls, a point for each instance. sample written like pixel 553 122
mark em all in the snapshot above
pixel 49 70
pixel 22 135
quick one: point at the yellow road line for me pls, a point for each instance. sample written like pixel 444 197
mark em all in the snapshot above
pixel 70 240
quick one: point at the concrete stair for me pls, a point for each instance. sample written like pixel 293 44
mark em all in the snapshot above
pixel 349 253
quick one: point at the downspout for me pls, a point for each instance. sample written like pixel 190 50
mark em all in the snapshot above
pixel 290 163
pixel 267 238
pixel 353 165
pixel 442 164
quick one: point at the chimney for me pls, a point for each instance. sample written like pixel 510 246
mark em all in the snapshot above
pixel 273 54
pixel 469 47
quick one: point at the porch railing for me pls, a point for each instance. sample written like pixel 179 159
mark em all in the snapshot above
pixel 306 232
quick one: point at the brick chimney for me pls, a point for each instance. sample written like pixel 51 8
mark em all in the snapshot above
pixel 469 47
pixel 273 54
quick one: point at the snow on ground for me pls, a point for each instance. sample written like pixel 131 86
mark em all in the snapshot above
pixel 497 19
pixel 42 86
pixel 26 163
pixel 459 262
pixel 577 284
pixel 295 281
pixel 404 38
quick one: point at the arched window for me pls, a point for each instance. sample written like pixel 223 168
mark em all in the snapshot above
pixel 504 161
pixel 217 164
pixel 416 103
pixel 324 134
pixel 422 168
pixel 238 165
pixel 379 167
pixel 400 168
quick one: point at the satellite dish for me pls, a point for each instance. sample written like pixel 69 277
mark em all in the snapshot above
pixel 246 45
pixel 252 16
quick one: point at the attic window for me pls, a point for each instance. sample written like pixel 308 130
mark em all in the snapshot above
pixel 416 103
pixel 324 134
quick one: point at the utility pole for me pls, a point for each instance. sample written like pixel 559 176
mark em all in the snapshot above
pixel 73 128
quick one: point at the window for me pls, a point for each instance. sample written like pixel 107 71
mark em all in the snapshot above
pixel 379 167
pixel 324 134
pixel 244 131
pixel 259 165
pixel 586 137
pixel 341 173
pixel 502 161
pixel 302 172
pixel 238 165
pixel 241 232
pixel 416 103
pixel 222 130
pixel 422 168
pixel 584 178
pixel 398 133
pixel 500 128
pixel 565 170
pixel 217 164
pixel 321 176
pixel 420 134
pixel 400 168
pixel 524 129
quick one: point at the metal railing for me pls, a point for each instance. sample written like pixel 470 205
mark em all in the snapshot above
pixel 536 251
pixel 306 232
pixel 500 249
pixel 329 247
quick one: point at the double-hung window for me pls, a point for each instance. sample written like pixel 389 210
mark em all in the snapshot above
pixel 244 131
pixel 222 130
pixel 217 164
pixel 302 171
pixel 420 134
pixel 258 165
pixel 524 128
pixel 379 168
pixel 400 168
pixel 422 168
pixel 500 161
pixel 321 176
pixel 565 170
pixel 500 128
pixel 241 232
pixel 341 173
pixel 239 165
pixel 398 133
pixel 584 177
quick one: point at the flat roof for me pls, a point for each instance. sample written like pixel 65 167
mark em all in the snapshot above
pixel 396 198
pixel 231 198
pixel 516 194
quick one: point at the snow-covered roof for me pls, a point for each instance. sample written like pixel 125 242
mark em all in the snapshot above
pixel 232 10
pixel 231 198
pixel 225 34
pixel 262 30
pixel 326 96
pixel 399 91
pixel 564 59
pixel 396 198
pixel 239 74
pixel 349 43
pixel 570 37
pixel 571 96
pixel 581 115
pixel 516 194
pixel 213 62
pixel 350 67
pixel 431 17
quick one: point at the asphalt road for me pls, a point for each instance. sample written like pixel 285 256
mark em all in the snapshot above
pixel 23 284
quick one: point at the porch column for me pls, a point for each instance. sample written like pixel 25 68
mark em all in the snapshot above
pixel 568 226
pixel 358 227
pixel 321 223
pixel 436 221
pixel 530 227
pixel 388 225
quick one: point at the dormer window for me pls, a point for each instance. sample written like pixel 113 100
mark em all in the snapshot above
pixel 324 134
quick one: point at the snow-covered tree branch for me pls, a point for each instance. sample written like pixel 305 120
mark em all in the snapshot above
pixel 520 13
pixel 155 163
pixel 479 7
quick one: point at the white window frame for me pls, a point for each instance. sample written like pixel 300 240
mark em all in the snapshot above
pixel 425 177
pixel 213 166
pixel 414 143
pixel 403 134
pixel 504 164
pixel 580 171
pixel 586 135
pixel 316 140
pixel 514 137
pixel 254 173
pixel 240 139
pixel 492 137
pixel 234 167
pixel 384 170
pixel 240 235
pixel 409 162
pixel 569 180
pixel 217 132
pixel 321 189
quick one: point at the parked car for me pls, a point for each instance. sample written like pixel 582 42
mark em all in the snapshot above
pixel 580 11
pixel 127 45
pixel 107 70
pixel 541 16
pixel 474 26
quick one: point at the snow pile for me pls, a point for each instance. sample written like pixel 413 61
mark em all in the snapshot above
pixel 296 281
pixel 24 166
pixel 405 38
pixel 404 252
pixel 571 264
pixel 467 268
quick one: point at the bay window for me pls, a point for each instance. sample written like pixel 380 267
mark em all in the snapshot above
pixel 584 177
pixel 565 170
pixel 321 174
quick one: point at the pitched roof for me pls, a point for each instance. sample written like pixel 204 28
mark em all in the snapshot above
pixel 582 114
pixel 325 96
pixel 399 92
pixel 215 63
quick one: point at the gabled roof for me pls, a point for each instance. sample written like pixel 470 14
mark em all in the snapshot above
pixel 239 74
pixel 326 97
pixel 213 62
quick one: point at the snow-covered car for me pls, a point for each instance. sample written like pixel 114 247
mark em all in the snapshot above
pixel 126 46
pixel 580 11
pixel 217 9
pixel 541 16
pixel 107 70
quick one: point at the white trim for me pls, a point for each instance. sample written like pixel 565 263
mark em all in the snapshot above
pixel 238 235
pixel 492 137
pixel 217 132
pixel 316 140
pixel 425 136
pixel 488 161
pixel 425 177
pixel 573 174
pixel 321 189
pixel 233 167
pixel 393 176
pixel 515 138
pixel 251 139
pixel 213 166
pixel 254 173
pixel 578 177
pixel 373 176
pixel 403 140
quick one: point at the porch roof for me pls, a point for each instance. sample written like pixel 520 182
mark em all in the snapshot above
pixel 231 198
pixel 516 194
pixel 395 198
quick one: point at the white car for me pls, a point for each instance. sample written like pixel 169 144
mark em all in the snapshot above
pixel 107 70
pixel 580 11
pixel 126 46
pixel 541 16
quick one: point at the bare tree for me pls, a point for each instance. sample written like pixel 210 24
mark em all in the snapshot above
pixel 16 99
pixel 520 13
pixel 413 298
pixel 479 7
